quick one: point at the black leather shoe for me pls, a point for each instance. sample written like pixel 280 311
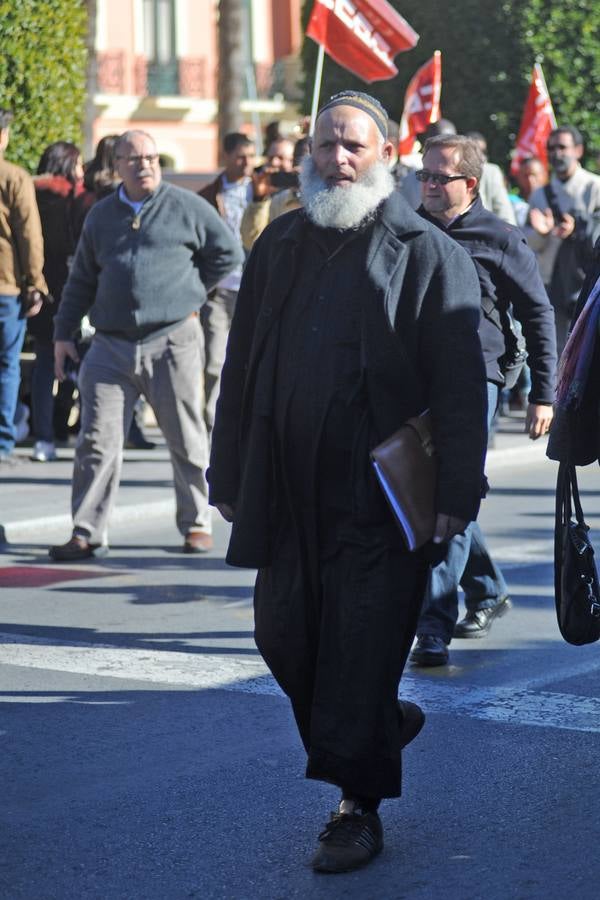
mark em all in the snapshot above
pixel 76 548
pixel 429 651
pixel 412 719
pixel 349 841
pixel 477 624
pixel 139 443
pixel 136 439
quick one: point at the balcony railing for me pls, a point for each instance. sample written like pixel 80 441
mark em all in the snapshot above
pixel 186 77
pixel 111 72
pixel 162 78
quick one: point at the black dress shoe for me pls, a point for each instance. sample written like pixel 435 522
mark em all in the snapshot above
pixel 76 548
pixel 412 719
pixel 139 443
pixel 136 439
pixel 476 624
pixel 349 841
pixel 429 651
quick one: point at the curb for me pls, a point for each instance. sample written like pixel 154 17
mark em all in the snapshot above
pixel 21 531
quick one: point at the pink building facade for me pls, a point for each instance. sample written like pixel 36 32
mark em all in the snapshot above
pixel 156 69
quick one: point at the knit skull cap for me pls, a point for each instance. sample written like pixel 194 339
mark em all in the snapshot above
pixel 362 101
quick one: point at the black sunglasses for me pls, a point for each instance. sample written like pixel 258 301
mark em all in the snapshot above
pixel 435 178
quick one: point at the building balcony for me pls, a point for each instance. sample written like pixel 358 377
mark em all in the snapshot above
pixel 180 77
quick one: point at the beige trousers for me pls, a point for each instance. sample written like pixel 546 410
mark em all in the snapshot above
pixel 167 371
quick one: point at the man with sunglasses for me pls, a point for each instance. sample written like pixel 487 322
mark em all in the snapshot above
pixel 510 280
pixel 146 258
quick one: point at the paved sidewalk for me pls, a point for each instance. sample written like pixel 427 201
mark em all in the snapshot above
pixel 35 497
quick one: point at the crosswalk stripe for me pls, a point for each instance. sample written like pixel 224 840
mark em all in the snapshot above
pixel 520 704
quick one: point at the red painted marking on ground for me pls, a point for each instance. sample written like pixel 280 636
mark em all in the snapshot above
pixel 42 576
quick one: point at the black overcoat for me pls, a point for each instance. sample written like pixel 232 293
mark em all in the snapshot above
pixel 420 315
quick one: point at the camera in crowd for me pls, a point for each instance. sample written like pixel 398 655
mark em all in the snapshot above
pixel 283 180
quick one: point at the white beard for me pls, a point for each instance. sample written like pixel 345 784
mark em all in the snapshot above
pixel 348 207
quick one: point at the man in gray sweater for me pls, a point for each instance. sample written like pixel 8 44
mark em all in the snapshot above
pixel 147 256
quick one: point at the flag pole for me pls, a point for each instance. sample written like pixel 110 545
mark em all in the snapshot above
pixel 316 89
pixel 540 71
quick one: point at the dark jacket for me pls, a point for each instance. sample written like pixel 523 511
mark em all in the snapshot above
pixel 213 194
pixel 509 277
pixel 56 199
pixel 419 328
pixel 575 433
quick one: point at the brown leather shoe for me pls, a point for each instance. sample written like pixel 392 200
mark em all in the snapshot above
pixel 77 547
pixel 197 542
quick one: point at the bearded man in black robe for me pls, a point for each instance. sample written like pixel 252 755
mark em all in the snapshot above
pixel 354 314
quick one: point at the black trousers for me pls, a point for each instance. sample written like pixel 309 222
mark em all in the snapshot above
pixel 336 633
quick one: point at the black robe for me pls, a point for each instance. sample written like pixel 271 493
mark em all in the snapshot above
pixel 332 621
pixel 310 389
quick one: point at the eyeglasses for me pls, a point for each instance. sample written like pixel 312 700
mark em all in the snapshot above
pixel 149 158
pixel 435 177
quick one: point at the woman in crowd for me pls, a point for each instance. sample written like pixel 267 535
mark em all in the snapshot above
pixel 100 178
pixel 58 185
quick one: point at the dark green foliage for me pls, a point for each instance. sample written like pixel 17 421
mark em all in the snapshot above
pixel 565 38
pixel 42 73
pixel 488 50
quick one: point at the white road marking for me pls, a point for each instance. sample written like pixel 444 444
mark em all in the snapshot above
pixel 515 705
pixel 536 552
pixel 519 455
pixel 157 666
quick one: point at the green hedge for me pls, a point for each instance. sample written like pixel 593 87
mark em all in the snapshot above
pixel 42 73
pixel 488 50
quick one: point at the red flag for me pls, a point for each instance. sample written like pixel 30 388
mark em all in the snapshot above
pixel 537 122
pixel 361 35
pixel 421 103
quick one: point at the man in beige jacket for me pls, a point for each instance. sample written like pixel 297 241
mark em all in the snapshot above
pixel 22 283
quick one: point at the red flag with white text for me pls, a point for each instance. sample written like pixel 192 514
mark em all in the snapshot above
pixel 537 123
pixel 421 103
pixel 361 35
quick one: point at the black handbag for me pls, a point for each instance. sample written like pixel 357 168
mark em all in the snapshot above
pixel 576 588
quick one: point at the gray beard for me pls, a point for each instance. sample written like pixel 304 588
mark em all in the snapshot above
pixel 344 208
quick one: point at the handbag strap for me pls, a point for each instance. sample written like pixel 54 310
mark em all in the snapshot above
pixel 563 509
pixel 576 498
pixel 567 495
pixel 562 518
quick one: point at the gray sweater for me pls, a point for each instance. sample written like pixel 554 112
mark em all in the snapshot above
pixel 135 275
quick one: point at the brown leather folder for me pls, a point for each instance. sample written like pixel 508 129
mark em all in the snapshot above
pixel 406 467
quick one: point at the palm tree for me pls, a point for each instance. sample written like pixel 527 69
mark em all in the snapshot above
pixel 231 65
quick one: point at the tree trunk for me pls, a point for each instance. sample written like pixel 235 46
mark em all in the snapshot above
pixel 231 66
pixel 91 81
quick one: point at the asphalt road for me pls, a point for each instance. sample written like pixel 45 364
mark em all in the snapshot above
pixel 148 755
